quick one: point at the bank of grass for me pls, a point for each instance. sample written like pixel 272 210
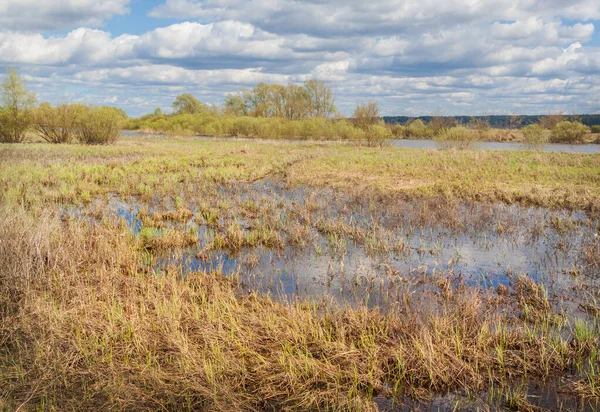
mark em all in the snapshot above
pixel 41 173
pixel 215 125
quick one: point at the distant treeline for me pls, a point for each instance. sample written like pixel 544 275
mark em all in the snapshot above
pixel 496 121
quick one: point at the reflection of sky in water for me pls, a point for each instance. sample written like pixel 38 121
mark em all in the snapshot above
pixel 482 255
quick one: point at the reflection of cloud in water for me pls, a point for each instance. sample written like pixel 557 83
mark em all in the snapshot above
pixel 483 254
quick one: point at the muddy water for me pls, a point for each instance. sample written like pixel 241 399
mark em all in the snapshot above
pixel 402 243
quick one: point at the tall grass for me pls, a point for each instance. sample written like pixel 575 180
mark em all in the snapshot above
pixel 85 326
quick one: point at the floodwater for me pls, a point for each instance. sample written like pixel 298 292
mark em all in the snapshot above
pixel 549 148
pixel 482 245
pixel 406 247
pixel 431 144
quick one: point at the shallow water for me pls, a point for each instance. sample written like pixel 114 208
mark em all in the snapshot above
pixel 430 144
pixel 478 244
pixel 408 249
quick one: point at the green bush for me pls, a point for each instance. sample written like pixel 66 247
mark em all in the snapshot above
pixel 568 132
pixel 456 137
pixel 13 127
pixel 535 136
pixel 416 129
pixel 58 124
pixel 98 126
pixel 16 104
pixel 596 129
pixel 377 135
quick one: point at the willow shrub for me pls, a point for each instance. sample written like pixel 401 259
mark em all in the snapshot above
pixel 568 132
pixel 58 124
pixel 98 126
pixel 13 127
pixel 456 137
pixel 535 136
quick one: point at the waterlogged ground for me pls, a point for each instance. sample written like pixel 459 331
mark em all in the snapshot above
pixel 316 244
pixel 300 244
pixel 480 301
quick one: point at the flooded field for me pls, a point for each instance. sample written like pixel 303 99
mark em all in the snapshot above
pixel 316 244
pixel 200 274
pixel 319 246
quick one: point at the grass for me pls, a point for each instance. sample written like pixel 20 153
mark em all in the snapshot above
pixel 87 324
pixel 155 167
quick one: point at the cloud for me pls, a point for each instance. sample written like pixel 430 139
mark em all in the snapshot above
pixel 352 17
pixel 43 15
pixel 414 57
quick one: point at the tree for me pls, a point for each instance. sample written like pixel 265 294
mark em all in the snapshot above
pixel 296 104
pixel 320 99
pixel 366 114
pixel 15 110
pixel 157 112
pixel 188 104
pixel 236 104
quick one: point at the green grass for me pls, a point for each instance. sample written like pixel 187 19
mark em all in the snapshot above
pixel 34 173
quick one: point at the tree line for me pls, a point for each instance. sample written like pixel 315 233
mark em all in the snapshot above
pixel 65 123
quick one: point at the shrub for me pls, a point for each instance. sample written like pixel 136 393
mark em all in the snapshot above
pixel 98 126
pixel 596 129
pixel 568 132
pixel 366 114
pixel 482 126
pixel 535 136
pixel 58 124
pixel 398 131
pixel 375 135
pixel 458 137
pixel 416 129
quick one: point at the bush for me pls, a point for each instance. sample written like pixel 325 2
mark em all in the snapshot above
pixel 376 135
pixel 596 129
pixel 568 132
pixel 416 129
pixel 456 137
pixel 15 113
pixel 535 136
pixel 58 124
pixel 13 127
pixel 98 126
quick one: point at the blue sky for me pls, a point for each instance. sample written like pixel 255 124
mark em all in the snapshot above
pixel 415 57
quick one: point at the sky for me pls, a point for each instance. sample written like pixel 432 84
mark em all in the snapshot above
pixel 414 57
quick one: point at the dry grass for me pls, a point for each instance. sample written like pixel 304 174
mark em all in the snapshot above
pixel 84 326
